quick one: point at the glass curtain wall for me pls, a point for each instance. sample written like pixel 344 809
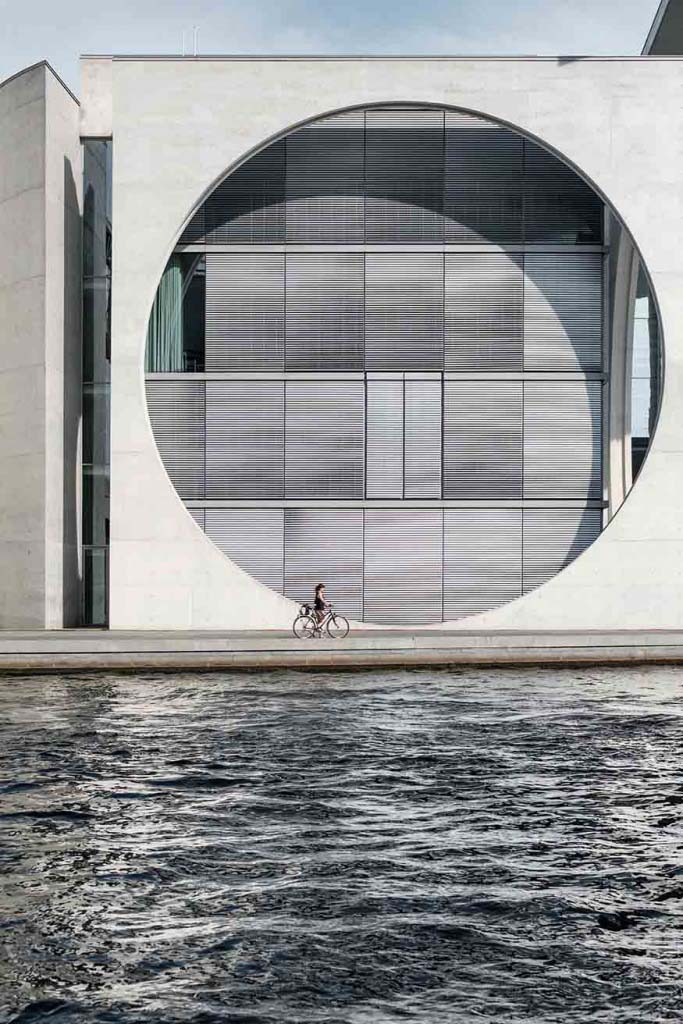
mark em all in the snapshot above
pixel 97 241
pixel 645 380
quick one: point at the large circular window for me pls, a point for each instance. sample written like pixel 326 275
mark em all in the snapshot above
pixel 377 358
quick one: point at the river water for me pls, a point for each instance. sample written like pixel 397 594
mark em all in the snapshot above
pixel 458 847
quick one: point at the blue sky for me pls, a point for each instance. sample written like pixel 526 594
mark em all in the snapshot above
pixel 59 30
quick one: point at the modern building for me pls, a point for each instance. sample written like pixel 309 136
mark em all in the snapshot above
pixel 410 326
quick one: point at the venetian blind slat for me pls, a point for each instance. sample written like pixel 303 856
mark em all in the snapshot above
pixel 558 205
pixel 253 539
pixel 483 181
pixel 563 311
pixel 403 566
pixel 249 205
pixel 422 437
pixel 562 439
pixel 553 538
pixel 325 314
pixel 176 412
pixel 482 439
pixel 404 175
pixel 325 180
pixel 484 295
pixel 324 546
pixel 324 439
pixel 384 446
pixel 244 439
pixel 482 560
pixel 245 311
pixel 404 310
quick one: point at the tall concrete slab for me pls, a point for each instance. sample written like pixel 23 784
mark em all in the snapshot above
pixel 39 351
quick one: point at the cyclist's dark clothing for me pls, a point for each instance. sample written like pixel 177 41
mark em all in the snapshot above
pixel 320 605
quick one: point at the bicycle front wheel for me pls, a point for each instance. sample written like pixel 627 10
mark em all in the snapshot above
pixel 304 627
pixel 337 627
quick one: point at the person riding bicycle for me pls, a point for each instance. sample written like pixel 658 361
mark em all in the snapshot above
pixel 320 605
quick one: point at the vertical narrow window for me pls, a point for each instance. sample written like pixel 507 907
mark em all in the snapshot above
pixel 384 455
pixel 645 374
pixel 422 443
pixel 97 248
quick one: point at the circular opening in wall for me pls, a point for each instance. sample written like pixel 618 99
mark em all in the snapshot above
pixel 378 356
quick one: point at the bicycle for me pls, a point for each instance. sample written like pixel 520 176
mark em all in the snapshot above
pixel 306 624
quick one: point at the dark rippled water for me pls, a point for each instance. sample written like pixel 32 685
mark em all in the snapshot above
pixel 419 846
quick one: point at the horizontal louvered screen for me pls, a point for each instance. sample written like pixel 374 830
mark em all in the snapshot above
pixel 484 181
pixel 404 175
pixel 408 175
pixel 558 205
pixel 325 180
pixel 384 444
pixel 482 560
pixel 249 205
pixel 555 537
pixel 325 547
pixel 325 439
pixel 482 439
pixel 253 539
pixel 325 315
pixel 484 297
pixel 422 438
pixel 562 439
pixel 245 311
pixel 404 311
pixel 403 566
pixel 244 439
pixel 563 311
pixel 176 412
pixel 428 326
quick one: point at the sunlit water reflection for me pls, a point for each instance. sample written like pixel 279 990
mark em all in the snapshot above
pixel 378 847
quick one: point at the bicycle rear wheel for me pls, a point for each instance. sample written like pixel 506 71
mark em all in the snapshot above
pixel 337 627
pixel 304 627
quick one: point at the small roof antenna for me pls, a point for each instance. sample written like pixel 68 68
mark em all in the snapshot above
pixel 195 33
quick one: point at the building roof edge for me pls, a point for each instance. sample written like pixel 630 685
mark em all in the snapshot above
pixel 207 57
pixel 654 28
pixel 41 64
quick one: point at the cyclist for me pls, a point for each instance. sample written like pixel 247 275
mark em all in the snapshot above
pixel 320 605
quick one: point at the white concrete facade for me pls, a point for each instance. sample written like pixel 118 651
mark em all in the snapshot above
pixel 40 349
pixel 178 125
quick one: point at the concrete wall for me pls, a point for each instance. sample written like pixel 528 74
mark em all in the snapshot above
pixel 39 351
pixel 179 125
